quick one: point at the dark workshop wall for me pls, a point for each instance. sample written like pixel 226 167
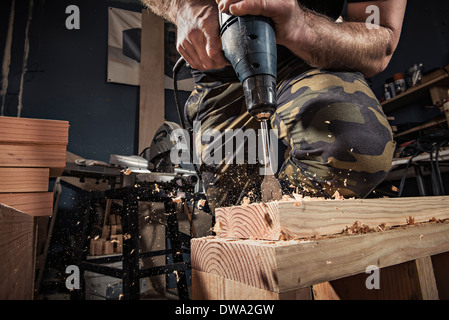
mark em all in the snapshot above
pixel 424 39
pixel 66 76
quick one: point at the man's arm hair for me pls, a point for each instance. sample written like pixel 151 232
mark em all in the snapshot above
pixel 166 9
pixel 351 45
pixel 171 9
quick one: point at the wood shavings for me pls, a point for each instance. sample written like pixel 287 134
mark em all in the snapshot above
pixel 201 203
pixel 218 227
pixel 358 228
pixel 337 196
pixel 284 236
pixel 436 220
pixel 177 200
pixel 298 197
pixel 176 274
pixel 410 221
pixel 246 201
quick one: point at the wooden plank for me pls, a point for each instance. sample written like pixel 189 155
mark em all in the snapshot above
pixel 283 266
pixel 324 291
pixel 152 114
pixel 17 255
pixel 397 282
pixel 291 219
pixel 32 156
pixel 206 286
pixel 35 204
pixel 24 179
pixel 33 131
pixel 440 264
pixel 427 280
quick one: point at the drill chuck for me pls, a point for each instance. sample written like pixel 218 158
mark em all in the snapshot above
pixel 249 43
pixel 260 96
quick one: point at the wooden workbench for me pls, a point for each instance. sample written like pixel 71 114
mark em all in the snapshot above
pixel 325 250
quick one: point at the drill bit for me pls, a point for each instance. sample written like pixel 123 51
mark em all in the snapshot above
pixel 271 188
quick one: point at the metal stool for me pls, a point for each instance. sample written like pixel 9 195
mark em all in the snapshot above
pixel 130 272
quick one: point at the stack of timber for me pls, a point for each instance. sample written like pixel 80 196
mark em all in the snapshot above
pixel 31 151
pixel 321 249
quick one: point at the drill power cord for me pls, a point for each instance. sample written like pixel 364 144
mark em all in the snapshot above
pixel 179 64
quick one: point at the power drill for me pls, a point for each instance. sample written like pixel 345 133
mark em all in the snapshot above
pixel 249 43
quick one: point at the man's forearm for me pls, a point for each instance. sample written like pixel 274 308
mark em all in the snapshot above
pixel 171 9
pixel 347 46
pixel 168 9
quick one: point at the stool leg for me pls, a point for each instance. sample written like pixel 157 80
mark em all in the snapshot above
pixel 420 181
pixel 82 246
pixel 131 269
pixel 173 235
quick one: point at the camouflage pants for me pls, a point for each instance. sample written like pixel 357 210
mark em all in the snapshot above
pixel 338 136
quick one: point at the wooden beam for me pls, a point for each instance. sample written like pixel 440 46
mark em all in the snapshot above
pixel 34 156
pixel 17 255
pixel 440 263
pixel 24 179
pixel 35 204
pixel 33 131
pixel 292 219
pixel 207 286
pixel 397 282
pixel 283 266
pixel 427 280
pixel 152 104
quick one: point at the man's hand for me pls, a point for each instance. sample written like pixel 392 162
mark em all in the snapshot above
pixel 198 38
pixel 283 13
pixel 323 43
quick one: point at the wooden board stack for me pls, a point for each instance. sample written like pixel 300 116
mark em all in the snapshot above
pixel 321 249
pixel 31 151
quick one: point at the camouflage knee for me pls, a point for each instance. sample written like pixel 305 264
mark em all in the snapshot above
pixel 340 138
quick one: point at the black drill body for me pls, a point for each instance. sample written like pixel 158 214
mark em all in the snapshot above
pixel 249 43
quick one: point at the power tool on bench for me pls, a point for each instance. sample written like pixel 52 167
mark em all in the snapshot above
pixel 249 43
